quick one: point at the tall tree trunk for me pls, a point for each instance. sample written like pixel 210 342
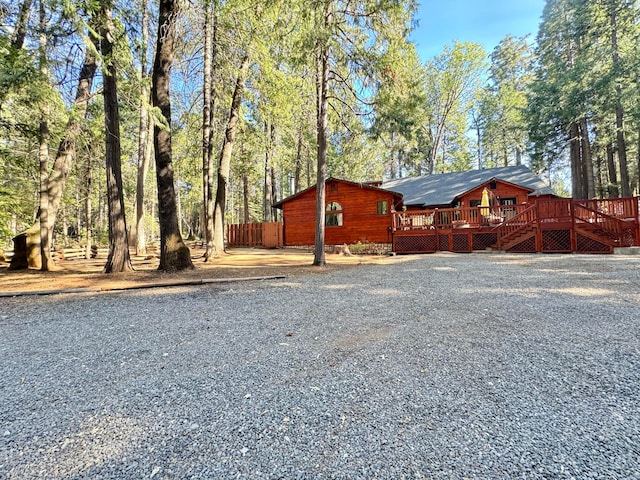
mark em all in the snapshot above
pixel 274 194
pixel 270 133
pixel 224 163
pixel 437 139
pixel 46 262
pixel 622 147
pixel 143 135
pixel 298 167
pixel 576 165
pixel 620 135
pixel 87 208
pixel 598 177
pixel 267 192
pixel 309 167
pixel 612 186
pixel 176 173
pixel 174 253
pixel 20 29
pixel 322 99
pixel 118 259
pixel 207 134
pixel 245 193
pixel 67 149
pixel 587 159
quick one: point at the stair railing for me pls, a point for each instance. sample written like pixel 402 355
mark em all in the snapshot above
pixel 597 220
pixel 520 222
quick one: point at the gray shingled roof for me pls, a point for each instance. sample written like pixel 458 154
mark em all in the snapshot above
pixel 444 188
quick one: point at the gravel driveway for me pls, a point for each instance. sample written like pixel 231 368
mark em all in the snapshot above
pixel 438 366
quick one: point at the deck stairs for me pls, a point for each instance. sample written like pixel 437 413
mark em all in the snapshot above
pixel 522 235
pixel 589 223
pixel 598 226
pixel 518 229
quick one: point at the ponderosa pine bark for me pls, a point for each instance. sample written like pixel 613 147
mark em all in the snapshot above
pixel 143 136
pixel 118 259
pixel 67 149
pixel 270 133
pixel 87 207
pixel 207 134
pixel 20 31
pixel 224 163
pixel 322 98
pixel 174 253
pixel 46 262
pixel 66 153
pixel 298 167
pixel 625 183
pixel 587 159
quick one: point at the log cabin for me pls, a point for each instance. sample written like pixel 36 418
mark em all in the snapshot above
pixel 355 212
pixel 508 208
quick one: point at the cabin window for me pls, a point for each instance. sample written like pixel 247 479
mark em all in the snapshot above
pixel 493 185
pixel 333 217
pixel 383 207
pixel 508 212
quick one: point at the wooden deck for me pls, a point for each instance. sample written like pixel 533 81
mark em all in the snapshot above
pixel 556 225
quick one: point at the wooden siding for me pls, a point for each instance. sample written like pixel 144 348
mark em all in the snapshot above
pixel 502 190
pixel 360 219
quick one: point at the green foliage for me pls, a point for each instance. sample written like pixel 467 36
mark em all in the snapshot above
pixel 503 103
pixel 452 83
pixel 391 113
pixel 582 76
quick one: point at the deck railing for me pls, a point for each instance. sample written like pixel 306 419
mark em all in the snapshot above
pixel 518 223
pixel 551 220
pixel 461 217
pixel 625 208
pixel 556 210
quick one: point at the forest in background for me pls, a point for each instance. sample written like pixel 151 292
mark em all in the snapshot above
pixel 266 97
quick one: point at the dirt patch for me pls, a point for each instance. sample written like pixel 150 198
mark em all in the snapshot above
pixel 237 263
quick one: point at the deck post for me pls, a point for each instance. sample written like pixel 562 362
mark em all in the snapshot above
pixel 574 235
pixel 538 237
pixel 636 215
pixel 435 225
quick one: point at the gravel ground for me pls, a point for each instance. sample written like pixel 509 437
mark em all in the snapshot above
pixel 438 366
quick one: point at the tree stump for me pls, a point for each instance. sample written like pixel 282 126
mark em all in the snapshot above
pixel 343 250
pixel 26 250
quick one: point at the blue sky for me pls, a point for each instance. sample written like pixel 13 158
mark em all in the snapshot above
pixel 480 21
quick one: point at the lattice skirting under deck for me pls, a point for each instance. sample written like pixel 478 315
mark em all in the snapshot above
pixel 482 241
pixel 415 243
pixel 589 245
pixel 556 241
pixel 526 246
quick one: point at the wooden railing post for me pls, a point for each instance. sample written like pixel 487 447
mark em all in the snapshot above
pixel 573 236
pixel 536 220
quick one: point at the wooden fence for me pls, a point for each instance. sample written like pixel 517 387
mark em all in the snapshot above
pixel 266 235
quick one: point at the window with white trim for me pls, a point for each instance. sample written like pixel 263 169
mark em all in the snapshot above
pixel 333 216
